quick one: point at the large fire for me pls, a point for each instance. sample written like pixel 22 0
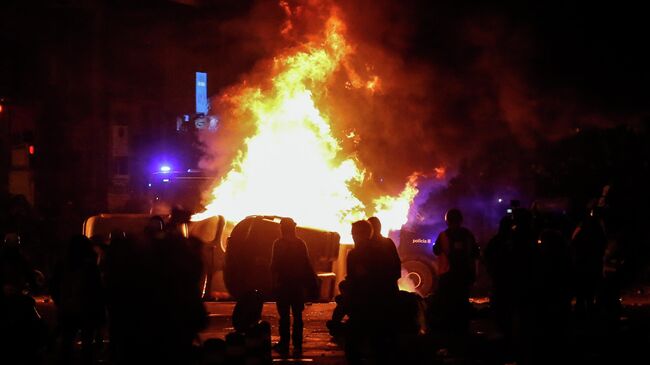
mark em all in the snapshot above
pixel 293 165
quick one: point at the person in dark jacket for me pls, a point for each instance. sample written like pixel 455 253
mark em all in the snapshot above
pixel 498 260
pixel 388 255
pixel 21 328
pixel 292 278
pixel 78 293
pixel 589 242
pixel 553 293
pixel 458 249
pixel 362 268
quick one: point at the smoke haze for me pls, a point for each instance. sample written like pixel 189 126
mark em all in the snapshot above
pixel 452 82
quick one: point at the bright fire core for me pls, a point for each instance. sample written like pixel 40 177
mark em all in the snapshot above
pixel 292 165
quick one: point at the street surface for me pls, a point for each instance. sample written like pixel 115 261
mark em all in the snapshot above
pixel 317 347
pixel 593 345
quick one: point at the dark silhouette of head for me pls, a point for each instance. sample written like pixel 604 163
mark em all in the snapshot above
pixel 376 226
pixel 505 226
pixel 522 220
pixel 454 218
pixel 155 226
pixel 11 240
pixel 288 227
pixel 19 206
pixel 80 250
pixel 248 311
pixel 361 232
pixel 179 216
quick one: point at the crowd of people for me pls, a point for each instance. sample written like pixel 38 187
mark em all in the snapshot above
pixel 145 291
pixel 544 286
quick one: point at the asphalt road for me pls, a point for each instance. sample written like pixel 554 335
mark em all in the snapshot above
pixel 317 347
pixel 627 343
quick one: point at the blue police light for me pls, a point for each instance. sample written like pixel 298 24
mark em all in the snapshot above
pixel 165 168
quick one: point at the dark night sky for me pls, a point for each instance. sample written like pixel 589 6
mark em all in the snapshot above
pixel 597 49
pixel 598 52
pixel 483 71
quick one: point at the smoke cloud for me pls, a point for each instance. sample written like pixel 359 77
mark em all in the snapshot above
pixel 426 86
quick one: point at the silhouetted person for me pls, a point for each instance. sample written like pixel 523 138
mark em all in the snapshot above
pixel 609 299
pixel 125 279
pixel 355 290
pixel 388 269
pixel 524 263
pixel 498 259
pixel 178 217
pixel 176 277
pixel 22 220
pixel 155 228
pixel 79 297
pixel 248 311
pixel 458 247
pixel 553 295
pixel 374 322
pixel 392 266
pixel 100 246
pixel 362 267
pixel 589 243
pixel 214 352
pixel 21 329
pixel 359 294
pixel 163 269
pixel 16 272
pixel 248 324
pixel 335 325
pixel 292 276
pixel 375 265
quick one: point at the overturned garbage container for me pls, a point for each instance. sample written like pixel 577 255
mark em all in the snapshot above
pixel 248 256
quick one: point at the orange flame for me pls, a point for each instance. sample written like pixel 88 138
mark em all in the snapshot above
pixel 292 166
pixel 440 172
pixel 374 84
pixel 393 211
